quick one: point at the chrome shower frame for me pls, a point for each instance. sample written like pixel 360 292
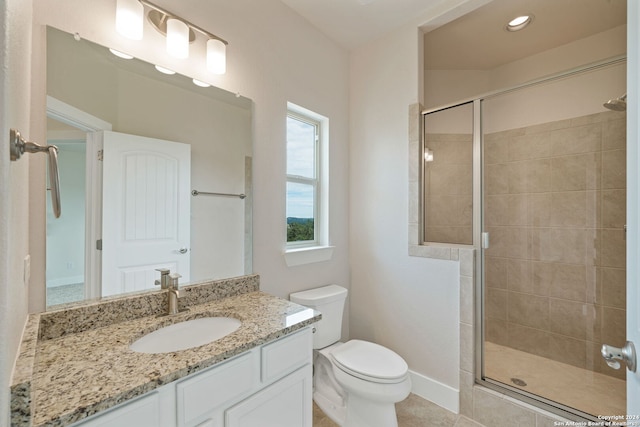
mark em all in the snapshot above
pixel 478 202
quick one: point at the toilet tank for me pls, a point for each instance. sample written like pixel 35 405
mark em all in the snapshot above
pixel 328 300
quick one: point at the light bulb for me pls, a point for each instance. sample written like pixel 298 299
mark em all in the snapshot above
pixel 200 83
pixel 177 38
pixel 130 18
pixel 519 23
pixel 120 54
pixel 165 70
pixel 216 56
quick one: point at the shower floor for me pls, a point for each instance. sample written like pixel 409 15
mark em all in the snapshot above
pixel 587 391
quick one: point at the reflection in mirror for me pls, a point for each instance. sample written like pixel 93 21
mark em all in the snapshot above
pixel 448 175
pixel 128 202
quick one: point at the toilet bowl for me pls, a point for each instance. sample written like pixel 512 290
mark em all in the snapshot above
pixel 356 383
pixel 374 378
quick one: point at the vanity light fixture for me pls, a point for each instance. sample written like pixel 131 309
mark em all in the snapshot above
pixel 177 38
pixel 519 23
pixel 179 32
pixel 129 18
pixel 216 56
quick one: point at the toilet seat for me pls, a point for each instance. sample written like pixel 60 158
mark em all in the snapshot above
pixel 370 362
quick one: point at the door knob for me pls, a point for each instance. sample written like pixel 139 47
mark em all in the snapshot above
pixel 627 354
pixel 183 250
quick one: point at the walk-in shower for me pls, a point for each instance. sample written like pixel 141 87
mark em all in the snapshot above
pixel 548 227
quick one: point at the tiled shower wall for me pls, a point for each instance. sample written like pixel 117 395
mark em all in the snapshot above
pixel 449 189
pixel 555 210
pixel 476 401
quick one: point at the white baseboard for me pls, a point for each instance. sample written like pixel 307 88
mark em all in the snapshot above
pixel 436 392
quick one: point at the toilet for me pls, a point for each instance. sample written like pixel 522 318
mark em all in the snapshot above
pixel 356 383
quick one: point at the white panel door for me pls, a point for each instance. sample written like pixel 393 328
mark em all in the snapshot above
pixel 145 211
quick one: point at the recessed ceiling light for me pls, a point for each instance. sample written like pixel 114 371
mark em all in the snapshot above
pixel 120 54
pixel 519 23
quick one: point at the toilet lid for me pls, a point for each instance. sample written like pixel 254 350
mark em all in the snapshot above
pixel 370 361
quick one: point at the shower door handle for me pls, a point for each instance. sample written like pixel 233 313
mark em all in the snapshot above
pixel 484 240
pixel 627 354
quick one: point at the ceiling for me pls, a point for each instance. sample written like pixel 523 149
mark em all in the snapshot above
pixel 354 22
pixel 456 45
pixel 470 41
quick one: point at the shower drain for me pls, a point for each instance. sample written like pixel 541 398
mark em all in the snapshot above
pixel 518 382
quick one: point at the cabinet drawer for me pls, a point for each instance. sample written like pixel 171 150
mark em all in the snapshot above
pixel 220 385
pixel 286 355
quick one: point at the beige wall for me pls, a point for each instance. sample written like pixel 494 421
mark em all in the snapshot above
pixel 449 86
pixel 15 61
pixel 555 211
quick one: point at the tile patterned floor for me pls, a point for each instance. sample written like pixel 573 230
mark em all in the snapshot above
pixel 588 391
pixel 412 412
pixel 65 293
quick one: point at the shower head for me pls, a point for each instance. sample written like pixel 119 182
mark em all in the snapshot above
pixel 618 104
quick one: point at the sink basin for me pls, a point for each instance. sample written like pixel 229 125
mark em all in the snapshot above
pixel 184 335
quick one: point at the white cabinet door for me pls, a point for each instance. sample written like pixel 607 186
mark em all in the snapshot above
pixel 286 403
pixel 151 410
pixel 204 396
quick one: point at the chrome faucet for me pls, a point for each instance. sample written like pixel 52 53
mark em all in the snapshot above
pixel 174 293
pixel 164 278
pixel 169 281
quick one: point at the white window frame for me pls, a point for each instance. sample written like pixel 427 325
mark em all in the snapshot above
pixel 317 250
pixel 314 182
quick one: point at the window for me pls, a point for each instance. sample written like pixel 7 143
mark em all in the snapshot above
pixel 303 180
pixel 307 191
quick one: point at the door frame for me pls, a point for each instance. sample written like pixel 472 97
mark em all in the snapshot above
pixel 633 199
pixel 88 124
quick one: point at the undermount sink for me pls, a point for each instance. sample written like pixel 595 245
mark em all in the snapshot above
pixel 185 335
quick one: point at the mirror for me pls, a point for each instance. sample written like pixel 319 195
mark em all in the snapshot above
pixel 95 97
pixel 448 175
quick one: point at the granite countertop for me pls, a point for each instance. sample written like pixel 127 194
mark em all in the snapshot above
pixel 76 362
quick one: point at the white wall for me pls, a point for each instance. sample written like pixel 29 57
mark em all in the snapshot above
pixel 408 304
pixel 65 235
pixel 274 56
pixel 15 39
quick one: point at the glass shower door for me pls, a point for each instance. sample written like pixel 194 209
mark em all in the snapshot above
pixel 554 195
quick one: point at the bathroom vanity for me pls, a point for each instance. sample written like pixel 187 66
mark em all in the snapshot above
pixel 76 367
pixel 266 386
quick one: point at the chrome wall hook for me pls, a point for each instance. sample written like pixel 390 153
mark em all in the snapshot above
pixel 18 146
